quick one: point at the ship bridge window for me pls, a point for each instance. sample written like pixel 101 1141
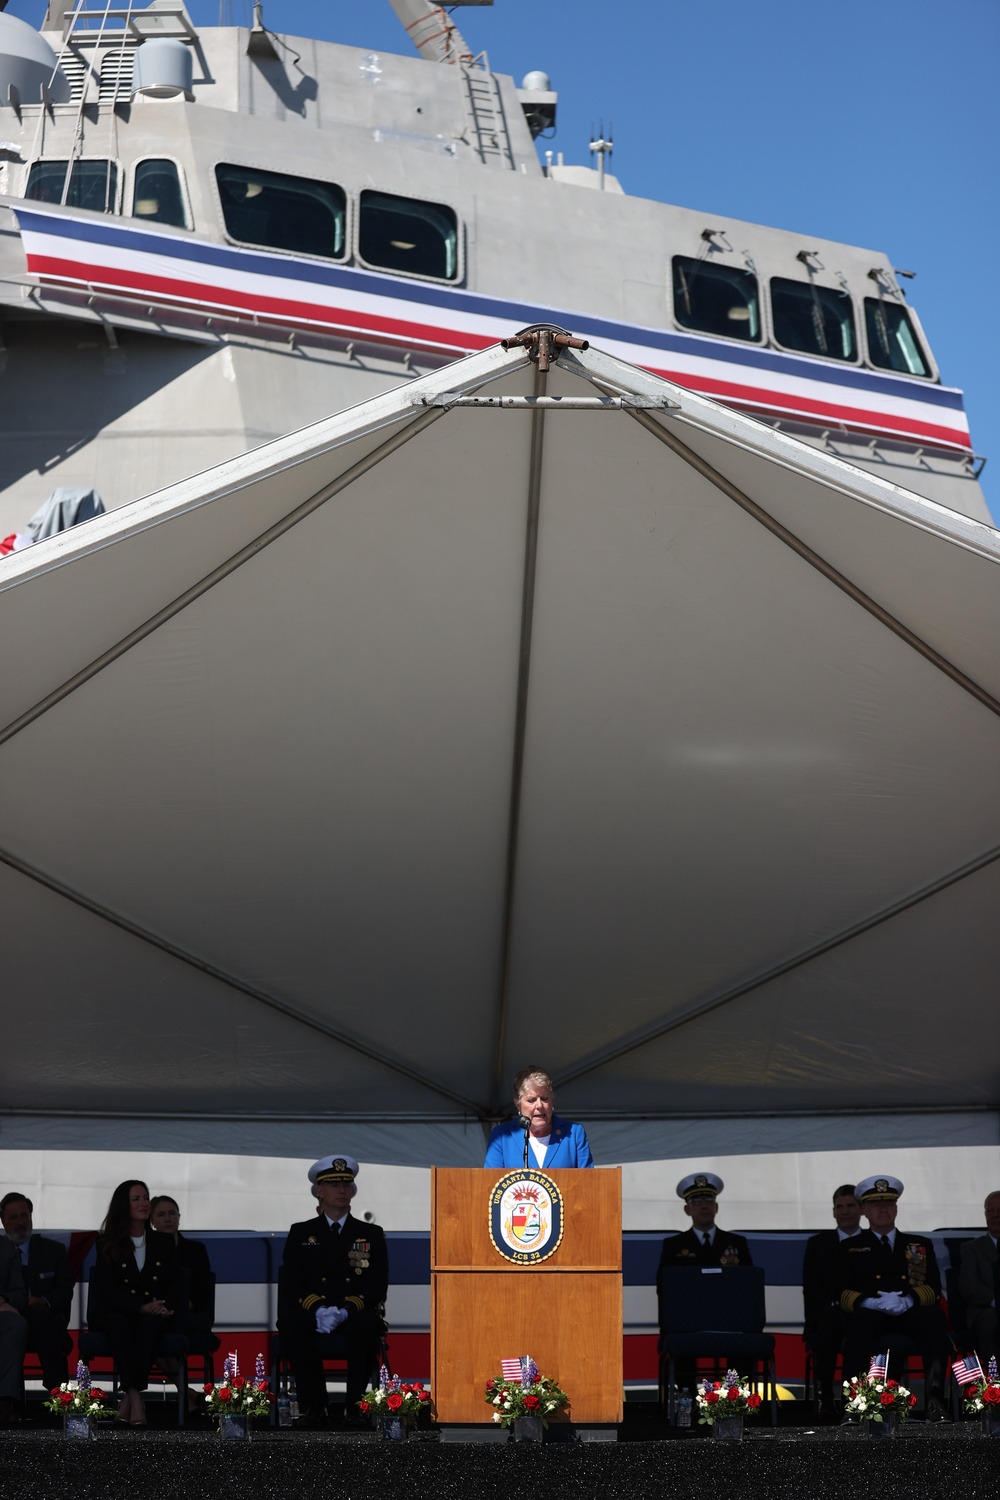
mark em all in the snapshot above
pixel 813 319
pixel 157 195
pixel 92 184
pixel 892 343
pixel 716 299
pixel 282 212
pixel 404 234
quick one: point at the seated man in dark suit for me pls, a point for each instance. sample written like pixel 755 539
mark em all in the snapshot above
pixel 823 1329
pixel 704 1244
pixel 888 1282
pixel 335 1279
pixel 977 1282
pixel 13 1329
pixel 48 1284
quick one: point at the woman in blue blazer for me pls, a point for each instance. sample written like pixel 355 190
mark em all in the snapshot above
pixel 552 1142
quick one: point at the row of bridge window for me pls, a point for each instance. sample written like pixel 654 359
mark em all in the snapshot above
pixel 299 215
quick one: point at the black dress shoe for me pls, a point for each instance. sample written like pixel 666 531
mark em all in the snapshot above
pixel 314 1419
pixel 936 1411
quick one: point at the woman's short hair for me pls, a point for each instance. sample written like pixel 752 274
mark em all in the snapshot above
pixel 154 1203
pixel 535 1076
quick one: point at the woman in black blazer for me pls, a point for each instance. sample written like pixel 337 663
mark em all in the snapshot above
pixel 192 1257
pixel 132 1292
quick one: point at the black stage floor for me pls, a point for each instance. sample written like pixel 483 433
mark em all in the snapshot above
pixel 933 1463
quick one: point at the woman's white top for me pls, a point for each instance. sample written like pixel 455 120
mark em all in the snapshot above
pixel 139 1249
pixel 538 1145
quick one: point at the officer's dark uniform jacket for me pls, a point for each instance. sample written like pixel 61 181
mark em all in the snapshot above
pixel 689 1249
pixel 348 1269
pixel 866 1267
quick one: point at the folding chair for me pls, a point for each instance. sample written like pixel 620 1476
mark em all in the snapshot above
pixel 717 1315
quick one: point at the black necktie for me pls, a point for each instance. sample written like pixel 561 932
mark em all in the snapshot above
pixel 885 1242
pixel 707 1239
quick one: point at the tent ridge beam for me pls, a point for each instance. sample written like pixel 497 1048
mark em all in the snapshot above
pixel 231 981
pixel 520 719
pixel 778 971
pixel 224 569
pixel 803 550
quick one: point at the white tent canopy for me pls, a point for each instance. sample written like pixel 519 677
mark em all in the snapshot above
pixel 329 796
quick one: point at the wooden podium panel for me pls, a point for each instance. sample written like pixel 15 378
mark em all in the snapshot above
pixel 566 1311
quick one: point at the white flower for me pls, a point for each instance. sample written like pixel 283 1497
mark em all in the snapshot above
pixel 496 1400
pixel 496 1416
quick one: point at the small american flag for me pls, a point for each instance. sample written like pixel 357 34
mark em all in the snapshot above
pixel 968 1369
pixel 879 1367
pixel 510 1369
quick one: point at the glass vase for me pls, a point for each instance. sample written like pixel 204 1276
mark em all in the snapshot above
pixel 729 1429
pixel 395 1430
pixel 236 1426
pixel 528 1429
pixel 989 1421
pixel 880 1430
pixel 77 1429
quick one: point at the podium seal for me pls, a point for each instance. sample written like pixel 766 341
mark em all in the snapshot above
pixel 526 1222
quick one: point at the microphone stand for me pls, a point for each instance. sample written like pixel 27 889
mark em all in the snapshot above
pixel 525 1125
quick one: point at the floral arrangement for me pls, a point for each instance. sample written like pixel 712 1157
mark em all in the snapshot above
pixel 875 1399
pixel 80 1400
pixel 534 1395
pixel 984 1394
pixel 391 1398
pixel 732 1397
pixel 237 1396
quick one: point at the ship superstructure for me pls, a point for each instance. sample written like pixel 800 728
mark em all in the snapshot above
pixel 212 236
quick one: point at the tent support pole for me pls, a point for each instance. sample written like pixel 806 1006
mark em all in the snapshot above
pixel 520 720
pixel 813 558
pixel 272 1002
pixel 797 961
pixel 245 554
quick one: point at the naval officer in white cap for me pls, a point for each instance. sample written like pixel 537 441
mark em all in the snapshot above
pixel 888 1282
pixel 704 1244
pixel 334 1279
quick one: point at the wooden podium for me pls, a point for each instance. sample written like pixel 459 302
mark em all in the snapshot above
pixel 565 1311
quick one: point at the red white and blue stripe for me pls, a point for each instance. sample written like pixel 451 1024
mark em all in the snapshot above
pixel 259 288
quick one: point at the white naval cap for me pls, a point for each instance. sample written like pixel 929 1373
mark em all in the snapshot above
pixel 883 1189
pixel 334 1168
pixel 699 1185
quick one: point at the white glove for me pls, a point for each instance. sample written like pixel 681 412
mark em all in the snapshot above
pixel 873 1304
pixel 329 1319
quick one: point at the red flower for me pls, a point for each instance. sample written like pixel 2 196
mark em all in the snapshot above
pixel 887 1398
pixel 489 1386
pixel 531 1402
pixel 892 1385
pixel 711 1397
pixel 753 1401
pixel 912 1401
pixel 208 1388
pixel 225 1394
pixel 394 1400
pixel 992 1395
pixel 239 1381
pixel 98 1395
pixel 717 1386
pixel 424 1395
pixel 66 1397
pixel 56 1391
pixel 363 1406
pixel 733 1394
pixel 406 1389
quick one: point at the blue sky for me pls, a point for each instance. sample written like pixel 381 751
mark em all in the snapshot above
pixel 876 124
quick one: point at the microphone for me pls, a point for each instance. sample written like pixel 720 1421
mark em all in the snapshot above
pixel 525 1125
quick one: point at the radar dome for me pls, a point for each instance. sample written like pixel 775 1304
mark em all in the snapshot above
pixel 537 82
pixel 26 62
